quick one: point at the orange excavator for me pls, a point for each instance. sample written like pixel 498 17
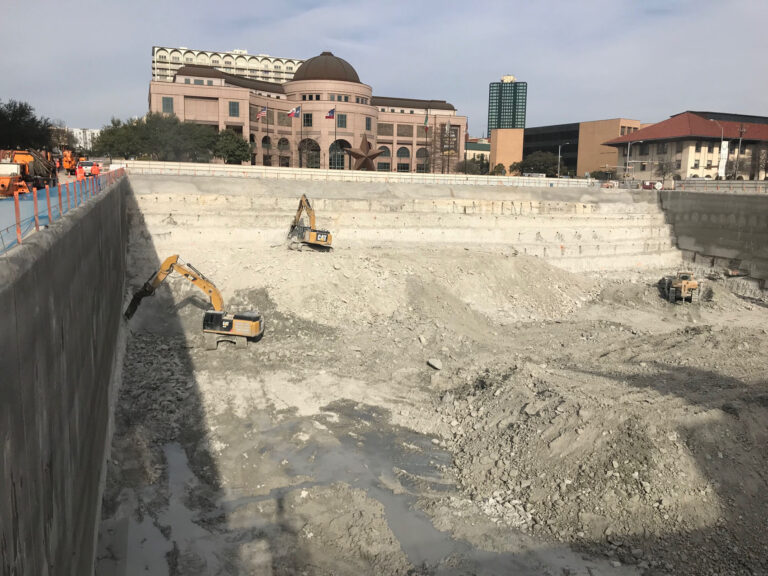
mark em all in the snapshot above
pixel 308 235
pixel 218 325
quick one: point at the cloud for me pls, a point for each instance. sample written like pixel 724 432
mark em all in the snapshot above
pixel 644 59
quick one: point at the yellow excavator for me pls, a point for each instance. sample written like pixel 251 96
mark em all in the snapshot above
pixel 218 326
pixel 308 234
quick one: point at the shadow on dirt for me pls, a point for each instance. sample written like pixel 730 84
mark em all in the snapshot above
pixel 725 431
pixel 159 514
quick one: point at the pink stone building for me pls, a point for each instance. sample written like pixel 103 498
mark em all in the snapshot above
pixel 412 135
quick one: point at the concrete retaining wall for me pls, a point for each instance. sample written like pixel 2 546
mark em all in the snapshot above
pixel 60 301
pixel 721 230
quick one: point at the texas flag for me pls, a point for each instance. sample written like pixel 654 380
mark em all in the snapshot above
pixel 262 112
pixel 294 113
pixel 331 114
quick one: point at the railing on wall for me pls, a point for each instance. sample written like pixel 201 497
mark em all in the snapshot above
pixel 23 214
pixel 723 186
pixel 237 171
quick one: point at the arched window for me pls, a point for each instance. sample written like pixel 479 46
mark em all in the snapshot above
pixel 403 152
pixel 309 154
pixel 266 145
pixel 336 154
pixel 422 160
pixel 384 152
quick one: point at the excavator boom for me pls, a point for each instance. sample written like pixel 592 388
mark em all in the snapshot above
pixel 171 264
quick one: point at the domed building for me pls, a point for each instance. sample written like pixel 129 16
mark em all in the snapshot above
pixel 310 120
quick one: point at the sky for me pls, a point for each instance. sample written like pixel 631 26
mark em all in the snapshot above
pixel 86 61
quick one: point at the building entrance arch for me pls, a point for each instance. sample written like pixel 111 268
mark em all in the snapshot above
pixel 284 153
pixel 336 155
pixel 309 154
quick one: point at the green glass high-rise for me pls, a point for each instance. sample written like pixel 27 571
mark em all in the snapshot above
pixel 506 103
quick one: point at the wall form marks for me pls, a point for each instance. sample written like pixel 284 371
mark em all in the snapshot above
pixel 721 229
pixel 60 301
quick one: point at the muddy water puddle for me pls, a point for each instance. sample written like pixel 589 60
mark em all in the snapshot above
pixel 350 444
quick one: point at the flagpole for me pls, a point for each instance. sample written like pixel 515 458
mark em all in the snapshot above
pixel 335 124
pixel 301 135
pixel 270 139
pixel 430 148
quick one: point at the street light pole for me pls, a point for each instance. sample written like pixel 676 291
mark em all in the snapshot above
pixel 629 149
pixel 559 146
pixel 738 152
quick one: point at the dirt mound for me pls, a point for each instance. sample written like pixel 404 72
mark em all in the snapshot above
pixel 349 287
pixel 641 452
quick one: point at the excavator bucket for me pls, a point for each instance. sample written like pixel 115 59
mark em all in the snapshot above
pixel 146 290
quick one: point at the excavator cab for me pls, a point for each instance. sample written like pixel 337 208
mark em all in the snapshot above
pixel 307 234
pixel 218 325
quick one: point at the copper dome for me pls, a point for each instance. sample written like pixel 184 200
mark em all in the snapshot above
pixel 326 67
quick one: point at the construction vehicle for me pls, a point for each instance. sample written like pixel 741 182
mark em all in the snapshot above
pixel 682 286
pixel 36 170
pixel 69 162
pixel 218 325
pixel 11 180
pixel 307 234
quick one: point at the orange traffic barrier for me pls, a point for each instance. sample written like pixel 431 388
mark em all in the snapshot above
pixel 18 215
pixel 61 209
pixel 69 206
pixel 34 201
pixel 48 201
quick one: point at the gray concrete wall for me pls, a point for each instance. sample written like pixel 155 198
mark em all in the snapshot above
pixel 60 304
pixel 720 229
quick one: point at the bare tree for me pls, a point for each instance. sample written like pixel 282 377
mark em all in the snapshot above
pixel 762 163
pixel 734 169
pixel 665 168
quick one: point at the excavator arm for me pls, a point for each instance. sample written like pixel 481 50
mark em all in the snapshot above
pixel 304 205
pixel 172 264
pixel 308 234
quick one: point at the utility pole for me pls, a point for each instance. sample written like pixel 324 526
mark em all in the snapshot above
pixel 742 130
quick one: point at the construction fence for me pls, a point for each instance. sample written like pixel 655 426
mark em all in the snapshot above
pixel 23 214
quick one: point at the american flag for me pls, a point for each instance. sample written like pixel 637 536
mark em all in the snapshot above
pixel 262 112
pixel 331 114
